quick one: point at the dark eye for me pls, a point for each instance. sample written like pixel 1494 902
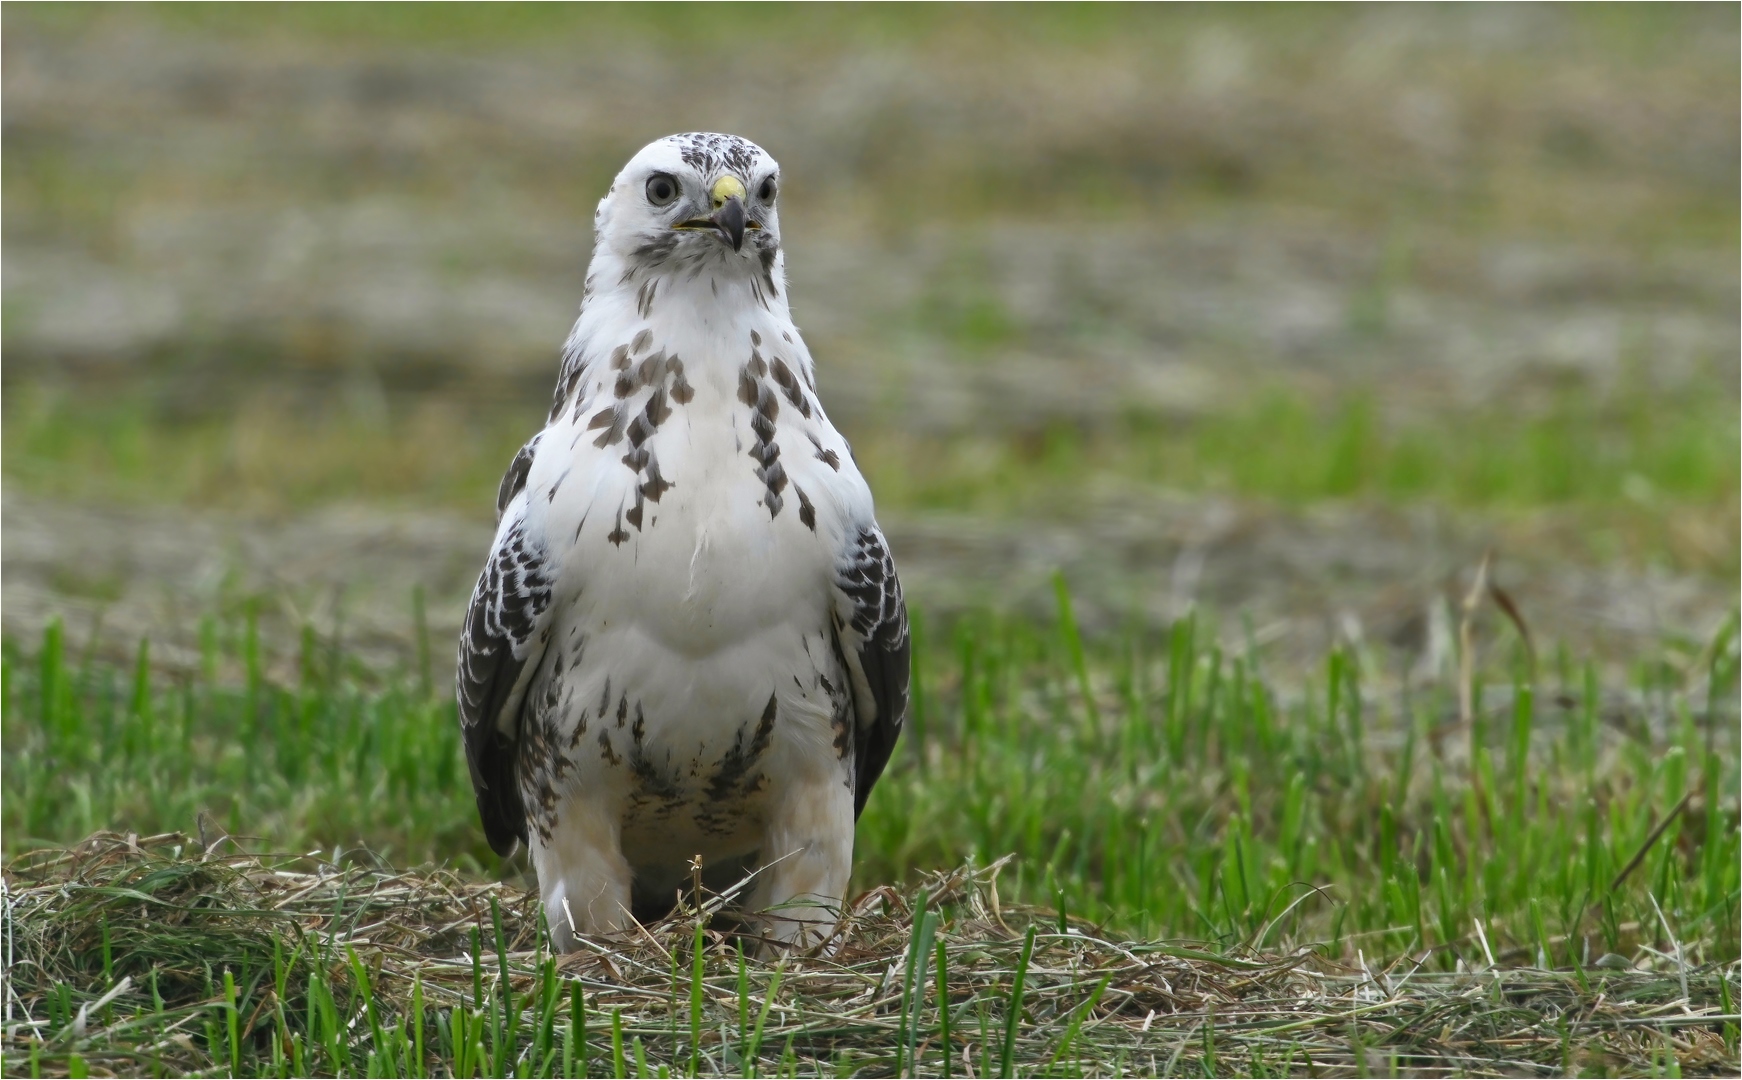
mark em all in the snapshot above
pixel 766 192
pixel 661 189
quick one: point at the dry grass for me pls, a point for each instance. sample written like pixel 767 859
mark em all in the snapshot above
pixel 131 956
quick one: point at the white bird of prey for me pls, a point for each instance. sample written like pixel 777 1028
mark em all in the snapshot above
pixel 688 638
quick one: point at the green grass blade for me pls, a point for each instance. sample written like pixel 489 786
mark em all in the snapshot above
pixel 1013 1017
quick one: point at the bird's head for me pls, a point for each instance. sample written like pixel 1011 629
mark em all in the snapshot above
pixel 694 197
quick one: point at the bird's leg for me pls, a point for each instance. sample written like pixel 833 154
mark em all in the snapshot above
pixel 583 878
pixel 807 858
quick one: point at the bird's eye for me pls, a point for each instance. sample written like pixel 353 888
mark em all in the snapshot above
pixel 766 192
pixel 661 189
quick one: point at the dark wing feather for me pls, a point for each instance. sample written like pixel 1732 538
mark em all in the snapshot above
pixel 514 480
pixel 876 643
pixel 500 645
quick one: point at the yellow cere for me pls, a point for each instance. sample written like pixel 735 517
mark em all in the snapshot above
pixel 726 187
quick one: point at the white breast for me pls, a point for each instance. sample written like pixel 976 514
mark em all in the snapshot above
pixel 695 552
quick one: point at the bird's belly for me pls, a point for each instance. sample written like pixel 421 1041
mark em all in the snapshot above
pixel 681 746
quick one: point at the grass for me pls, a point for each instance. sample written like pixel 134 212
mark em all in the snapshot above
pixel 1151 787
pixel 1610 460
pixel 214 963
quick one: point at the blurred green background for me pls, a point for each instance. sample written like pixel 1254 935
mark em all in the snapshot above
pixel 1282 313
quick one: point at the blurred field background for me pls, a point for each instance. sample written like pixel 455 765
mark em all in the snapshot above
pixel 1258 325
pixel 1287 312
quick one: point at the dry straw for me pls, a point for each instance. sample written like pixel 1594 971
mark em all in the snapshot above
pixel 161 956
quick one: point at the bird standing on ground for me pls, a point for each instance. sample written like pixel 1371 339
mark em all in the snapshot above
pixel 688 638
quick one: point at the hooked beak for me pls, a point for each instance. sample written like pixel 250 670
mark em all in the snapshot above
pixel 729 219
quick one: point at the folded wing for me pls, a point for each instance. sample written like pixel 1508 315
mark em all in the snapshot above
pixel 872 626
pixel 504 638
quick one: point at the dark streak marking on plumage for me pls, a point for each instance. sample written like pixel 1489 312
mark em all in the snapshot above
pixel 655 250
pixel 775 477
pixel 514 480
pixel 789 383
pixel 557 484
pixel 582 400
pixel 768 255
pixel 656 485
pixel 622 709
pixel 613 424
pixel 736 776
pixel 755 338
pixel 841 722
pixel 618 534
pixel 806 512
pixel 634 514
pixel 681 390
pixel 642 340
pixel 764 430
pixel 620 358
pixel 766 452
pixel 541 763
pixel 609 754
pixel 566 382
pixel 707 151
